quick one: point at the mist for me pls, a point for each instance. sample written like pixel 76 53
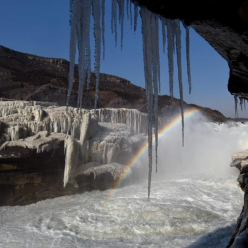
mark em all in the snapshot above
pixel 208 149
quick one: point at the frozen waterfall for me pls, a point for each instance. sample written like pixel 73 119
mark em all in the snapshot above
pixel 80 27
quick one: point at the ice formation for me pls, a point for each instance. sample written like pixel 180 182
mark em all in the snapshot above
pixel 236 106
pixel 103 27
pixel 114 19
pixel 134 119
pixel 80 26
pixel 71 159
pixel 188 58
pixel 170 39
pixel 179 65
pixel 97 34
pixel 241 101
pixel 41 128
pixel 163 20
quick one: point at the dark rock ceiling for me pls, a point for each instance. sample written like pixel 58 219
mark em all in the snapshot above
pixel 223 24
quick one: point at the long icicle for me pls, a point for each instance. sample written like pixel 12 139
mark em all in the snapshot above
pixel 155 72
pixel 163 20
pixel 114 19
pixel 148 63
pixel 170 57
pixel 103 28
pixel 127 8
pixel 188 58
pixel 236 106
pixel 241 103
pixel 97 33
pixel 81 28
pixel 73 42
pixel 87 33
pixel 131 16
pixel 135 17
pixel 179 64
pixel 121 18
pixel 157 51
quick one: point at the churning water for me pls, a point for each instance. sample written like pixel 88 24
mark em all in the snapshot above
pixel 179 212
pixel 188 208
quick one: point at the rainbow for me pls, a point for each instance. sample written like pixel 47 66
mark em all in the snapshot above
pixel 167 128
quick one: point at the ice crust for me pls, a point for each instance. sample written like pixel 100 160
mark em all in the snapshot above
pixel 104 136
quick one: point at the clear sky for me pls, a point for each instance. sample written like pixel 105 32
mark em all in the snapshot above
pixel 41 27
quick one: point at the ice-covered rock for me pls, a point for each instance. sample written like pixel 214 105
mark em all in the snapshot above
pixel 115 169
pixel 35 136
pixel 134 119
pixel 95 176
pixel 239 159
pixel 239 237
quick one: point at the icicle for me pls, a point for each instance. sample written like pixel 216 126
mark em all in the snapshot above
pixel 236 106
pixel 149 65
pixel 114 19
pixel 179 64
pixel 135 17
pixel 97 34
pixel 145 23
pixel 157 50
pixel 87 34
pixel 163 32
pixel 127 8
pixel 71 10
pixel 244 104
pixel 188 58
pixel 81 48
pixel 131 15
pixel 80 31
pixel 103 28
pixel 74 19
pixel 170 38
pixel 155 72
pixel 241 103
pixel 174 35
pixel 121 19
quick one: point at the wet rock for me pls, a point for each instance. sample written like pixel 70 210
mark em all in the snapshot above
pixel 239 238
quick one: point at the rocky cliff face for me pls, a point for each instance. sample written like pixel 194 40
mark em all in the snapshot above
pixel 29 77
pixel 223 24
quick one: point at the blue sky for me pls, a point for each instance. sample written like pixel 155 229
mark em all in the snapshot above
pixel 42 28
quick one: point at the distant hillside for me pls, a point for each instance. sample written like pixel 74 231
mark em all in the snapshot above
pixel 29 77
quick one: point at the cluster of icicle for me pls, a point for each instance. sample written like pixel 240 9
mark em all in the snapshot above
pixel 242 102
pixel 80 35
pixel 134 119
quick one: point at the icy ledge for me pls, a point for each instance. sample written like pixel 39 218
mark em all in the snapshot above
pixel 37 138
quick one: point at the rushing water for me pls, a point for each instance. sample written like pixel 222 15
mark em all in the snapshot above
pixel 180 211
pixel 195 205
